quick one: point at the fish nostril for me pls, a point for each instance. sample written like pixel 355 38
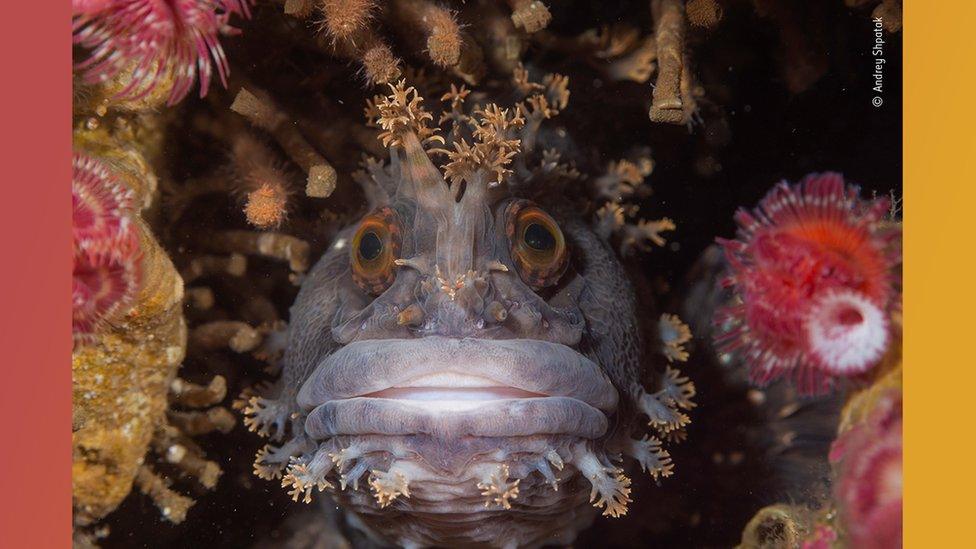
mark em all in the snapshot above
pixel 411 316
pixel 496 311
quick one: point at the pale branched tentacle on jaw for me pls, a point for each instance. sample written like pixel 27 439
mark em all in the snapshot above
pixel 553 457
pixel 662 415
pixel 497 488
pixel 676 389
pixel 308 472
pixel 358 463
pixel 266 417
pixel 542 466
pixel 388 485
pixel 271 461
pixel 674 335
pixel 652 458
pixel 624 178
pixel 610 487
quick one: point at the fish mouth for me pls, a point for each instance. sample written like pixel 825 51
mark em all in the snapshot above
pixel 453 387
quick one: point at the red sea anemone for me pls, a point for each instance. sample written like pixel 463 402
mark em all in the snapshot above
pixel 106 271
pixel 813 271
pixel 161 41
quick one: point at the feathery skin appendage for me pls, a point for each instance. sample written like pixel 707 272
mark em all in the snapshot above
pixel 674 335
pixel 306 473
pixel 270 461
pixel 267 417
pixel 354 457
pixel 624 178
pixel 676 390
pixel 652 458
pixel 610 487
pixel 494 130
pixel 662 416
pixel 388 485
pixel 402 112
pixel 541 466
pixel 644 235
pixel 498 489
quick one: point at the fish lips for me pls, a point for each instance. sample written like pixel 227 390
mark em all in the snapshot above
pixel 449 387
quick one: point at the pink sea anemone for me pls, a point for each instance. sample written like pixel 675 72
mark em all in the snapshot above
pixel 161 41
pixel 106 271
pixel 813 272
pixel 868 491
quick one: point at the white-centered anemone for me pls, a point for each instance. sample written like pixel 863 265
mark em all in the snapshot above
pixel 847 333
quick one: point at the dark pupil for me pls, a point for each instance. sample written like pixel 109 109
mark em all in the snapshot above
pixel 370 246
pixel 539 238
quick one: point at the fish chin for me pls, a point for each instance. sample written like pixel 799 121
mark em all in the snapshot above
pixel 446 441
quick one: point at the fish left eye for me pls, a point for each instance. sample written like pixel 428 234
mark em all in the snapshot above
pixel 536 244
pixel 370 246
pixel 538 237
pixel 375 247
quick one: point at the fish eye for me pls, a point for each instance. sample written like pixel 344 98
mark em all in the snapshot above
pixel 375 247
pixel 536 244
pixel 538 237
pixel 370 246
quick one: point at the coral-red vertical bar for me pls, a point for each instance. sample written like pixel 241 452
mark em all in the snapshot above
pixel 35 265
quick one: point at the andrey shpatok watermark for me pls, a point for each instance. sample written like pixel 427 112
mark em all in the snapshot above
pixel 879 62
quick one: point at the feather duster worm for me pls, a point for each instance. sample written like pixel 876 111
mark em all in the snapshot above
pixel 106 247
pixel 813 273
pixel 160 41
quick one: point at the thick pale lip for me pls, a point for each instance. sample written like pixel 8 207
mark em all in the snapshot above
pixel 439 385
